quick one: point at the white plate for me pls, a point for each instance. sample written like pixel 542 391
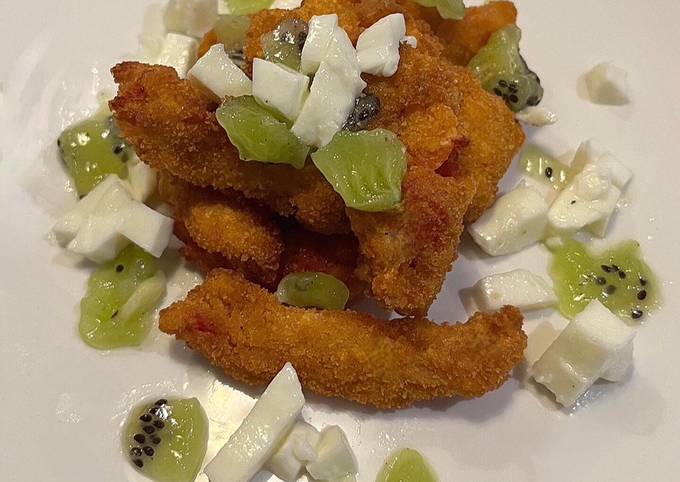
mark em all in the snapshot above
pixel 61 403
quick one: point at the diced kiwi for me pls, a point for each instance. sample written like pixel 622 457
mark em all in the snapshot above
pixel 406 465
pixel 231 31
pixel 248 7
pixel 542 167
pixel 284 44
pixel 167 440
pixel 502 70
pixel 313 290
pixel 104 323
pixel 92 150
pixel 366 168
pixel 449 9
pixel 259 134
pixel 618 277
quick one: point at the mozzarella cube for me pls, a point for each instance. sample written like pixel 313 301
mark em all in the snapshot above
pixel 409 40
pixel 178 52
pixel 594 343
pixel 547 191
pixel 99 238
pixel 319 37
pixel 592 152
pixel 334 90
pixel 218 74
pixel 378 45
pixel 66 228
pixel 279 87
pixel 517 220
pixel 190 17
pixel 263 430
pixel 148 229
pixel 590 198
pixel 520 288
pixel 297 449
pixel 607 84
pixel 335 458
pixel 142 179
pixel 285 4
pixel 536 116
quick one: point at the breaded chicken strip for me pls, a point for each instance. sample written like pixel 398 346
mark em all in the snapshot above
pixel 242 329
pixel 246 236
pixel 173 128
pixel 407 253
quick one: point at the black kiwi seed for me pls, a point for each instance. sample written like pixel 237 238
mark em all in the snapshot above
pixel 156 440
pixel 498 91
pixel 616 268
pixel 161 402
pixel 601 281
pixel 149 429
pixel 139 438
pixel 118 149
pixel 503 83
pixel 135 451
pixel 155 411
pixel 610 289
pixel 115 313
pixel 548 171
pixel 145 418
pixel 149 451
pixel 158 424
pixel 642 295
pixel 138 463
pixel 636 314
pixel 606 269
pixel 59 142
pixel 643 282
pixel 119 268
pixel 622 275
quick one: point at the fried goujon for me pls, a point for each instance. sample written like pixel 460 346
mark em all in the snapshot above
pixel 405 254
pixel 246 236
pixel 242 329
pixel 173 128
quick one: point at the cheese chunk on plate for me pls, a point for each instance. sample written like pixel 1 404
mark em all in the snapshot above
pixel 218 74
pixel 520 288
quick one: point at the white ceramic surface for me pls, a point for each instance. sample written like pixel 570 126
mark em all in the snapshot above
pixel 61 403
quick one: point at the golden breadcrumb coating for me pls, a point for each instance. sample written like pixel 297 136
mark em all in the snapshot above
pixel 173 128
pixel 407 253
pixel 247 236
pixel 463 38
pixel 242 329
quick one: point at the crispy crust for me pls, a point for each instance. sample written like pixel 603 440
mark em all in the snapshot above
pixel 173 128
pixel 245 235
pixel 407 253
pixel 242 329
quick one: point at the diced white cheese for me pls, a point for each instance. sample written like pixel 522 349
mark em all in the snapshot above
pixel 520 288
pixel 594 343
pixel 334 90
pixel 217 73
pixel 297 449
pixel 279 87
pixel 335 458
pixel 286 4
pixel 378 45
pixel 592 152
pixel 591 197
pixel 178 52
pixel 191 17
pixel 321 30
pixel 142 179
pixel 148 229
pixel 517 220
pixel 99 238
pixel 607 84
pixel 223 7
pixel 145 297
pixel 66 228
pixel 409 40
pixel 263 430
pixel 536 116
pixel 153 34
pixel 545 189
